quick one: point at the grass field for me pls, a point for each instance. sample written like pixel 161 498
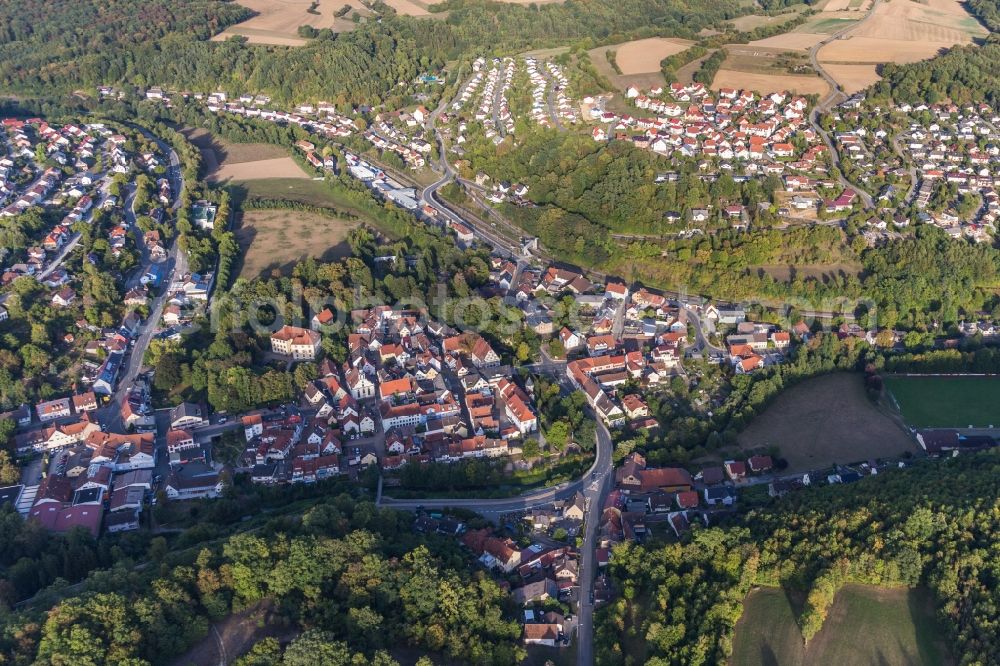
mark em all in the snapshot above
pixel 866 625
pixel 277 239
pixel 311 192
pixel 947 402
pixel 826 420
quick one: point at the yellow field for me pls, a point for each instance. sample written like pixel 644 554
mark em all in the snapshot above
pixel 279 167
pixel 419 7
pixel 408 7
pixel 277 21
pixel 798 41
pixel 643 56
pixel 853 78
pixel 903 31
pixel 804 85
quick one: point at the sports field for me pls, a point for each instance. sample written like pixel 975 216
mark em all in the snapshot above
pixel 865 625
pixel 946 402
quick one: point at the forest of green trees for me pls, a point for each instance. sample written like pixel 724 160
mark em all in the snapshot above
pixel 348 581
pixel 963 75
pixel 92 42
pixel 932 525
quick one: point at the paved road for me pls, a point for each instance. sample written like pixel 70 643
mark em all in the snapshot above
pixel 429 196
pixel 596 493
pixel 110 415
pixel 553 112
pixel 595 485
pixel 911 169
pixel 835 95
pixel 57 262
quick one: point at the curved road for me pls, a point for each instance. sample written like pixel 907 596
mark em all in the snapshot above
pixel 110 414
pixel 835 94
pixel 595 485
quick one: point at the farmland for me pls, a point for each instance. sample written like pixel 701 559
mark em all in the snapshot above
pixel 767 69
pixel 826 420
pixel 224 162
pixel 900 31
pixel 866 625
pixel 419 8
pixel 278 167
pixel 804 85
pixel 853 78
pixel 276 239
pixel 638 60
pixel 277 21
pixel 942 402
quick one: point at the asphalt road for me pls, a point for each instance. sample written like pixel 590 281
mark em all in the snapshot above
pixel 110 415
pixel 836 93
pixel 595 485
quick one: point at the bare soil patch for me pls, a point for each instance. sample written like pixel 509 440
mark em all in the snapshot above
pixel 826 420
pixel 233 636
pixel 788 272
pixel 277 239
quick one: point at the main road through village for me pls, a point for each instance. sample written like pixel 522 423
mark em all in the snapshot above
pixel 595 485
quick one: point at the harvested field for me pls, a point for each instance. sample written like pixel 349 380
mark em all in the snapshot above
pixel 276 239
pixel 222 160
pixel 408 7
pixel 826 420
pixel 805 85
pixel 277 21
pixel 639 61
pixel 903 31
pixel 865 625
pixel 799 41
pixel 644 55
pixel 853 77
pixel 279 167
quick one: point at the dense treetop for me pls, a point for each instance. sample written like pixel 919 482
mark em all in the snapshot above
pixel 933 525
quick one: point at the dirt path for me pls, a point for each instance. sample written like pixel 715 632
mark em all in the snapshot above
pixel 233 636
